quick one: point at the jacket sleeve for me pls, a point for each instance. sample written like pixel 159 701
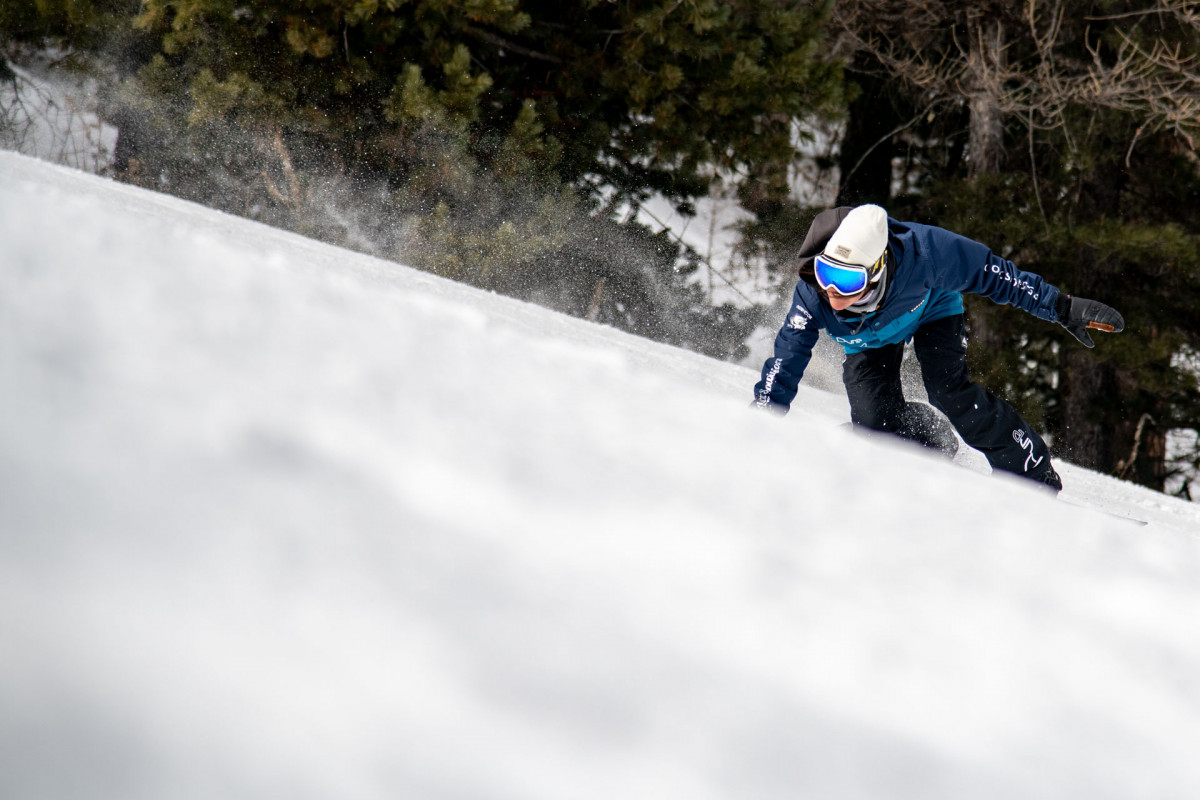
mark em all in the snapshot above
pixel 968 266
pixel 782 372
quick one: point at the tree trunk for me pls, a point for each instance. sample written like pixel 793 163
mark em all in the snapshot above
pixel 867 150
pixel 1086 437
pixel 1107 422
pixel 985 87
pixel 1145 463
pixel 1106 425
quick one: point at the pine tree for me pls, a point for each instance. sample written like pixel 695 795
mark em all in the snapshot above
pixel 484 132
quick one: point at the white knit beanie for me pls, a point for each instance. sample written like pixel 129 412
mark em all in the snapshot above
pixel 861 238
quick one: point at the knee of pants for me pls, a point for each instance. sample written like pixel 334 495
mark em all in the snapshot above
pixel 947 384
pixel 880 415
pixel 957 400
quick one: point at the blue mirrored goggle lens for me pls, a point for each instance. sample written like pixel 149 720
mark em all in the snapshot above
pixel 839 278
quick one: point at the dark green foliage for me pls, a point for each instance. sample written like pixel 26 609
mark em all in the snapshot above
pixel 641 96
pixel 90 25
pixel 499 142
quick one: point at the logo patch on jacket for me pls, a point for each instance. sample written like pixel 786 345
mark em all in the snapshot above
pixel 799 320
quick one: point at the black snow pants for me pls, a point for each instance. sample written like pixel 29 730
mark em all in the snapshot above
pixel 983 420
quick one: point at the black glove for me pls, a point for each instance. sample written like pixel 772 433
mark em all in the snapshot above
pixel 1077 314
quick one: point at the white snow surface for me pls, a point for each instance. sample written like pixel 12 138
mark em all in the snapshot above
pixel 281 520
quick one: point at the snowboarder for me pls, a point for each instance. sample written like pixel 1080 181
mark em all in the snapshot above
pixel 874 283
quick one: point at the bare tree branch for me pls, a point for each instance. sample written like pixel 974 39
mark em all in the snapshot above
pixel 968 51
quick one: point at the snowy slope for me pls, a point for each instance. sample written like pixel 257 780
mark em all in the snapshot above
pixel 279 520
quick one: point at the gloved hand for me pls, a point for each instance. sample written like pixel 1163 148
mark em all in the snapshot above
pixel 1077 314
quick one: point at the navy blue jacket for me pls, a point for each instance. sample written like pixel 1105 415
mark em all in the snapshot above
pixel 931 268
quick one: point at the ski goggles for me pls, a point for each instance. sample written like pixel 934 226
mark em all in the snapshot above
pixel 843 279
